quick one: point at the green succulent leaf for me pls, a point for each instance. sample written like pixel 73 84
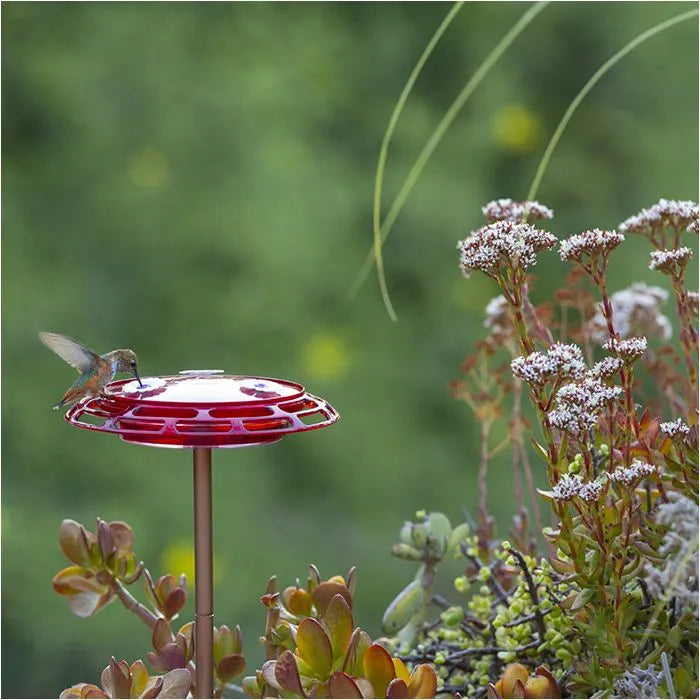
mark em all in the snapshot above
pixel 359 643
pixel 73 541
pixel 406 604
pixel 338 618
pixel 314 647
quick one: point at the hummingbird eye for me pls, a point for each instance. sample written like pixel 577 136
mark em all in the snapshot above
pixel 133 363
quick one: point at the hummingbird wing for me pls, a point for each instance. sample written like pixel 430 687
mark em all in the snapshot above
pixel 75 354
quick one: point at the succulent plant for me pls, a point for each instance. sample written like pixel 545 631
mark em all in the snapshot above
pixel 516 682
pixel 429 541
pixel 99 561
pixel 103 566
pixel 314 649
pixel 121 680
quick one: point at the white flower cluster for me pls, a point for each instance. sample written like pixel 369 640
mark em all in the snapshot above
pixel 636 311
pixel 592 242
pixel 629 350
pixel 578 405
pixel 675 428
pixel 508 210
pixel 666 212
pixel 489 247
pixel 606 368
pixel 591 490
pixel 632 474
pixel 693 227
pixel 567 487
pixel 562 361
pixel 665 579
pixel 497 314
pixel 670 260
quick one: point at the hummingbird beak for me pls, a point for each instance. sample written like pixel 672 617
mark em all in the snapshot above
pixel 136 374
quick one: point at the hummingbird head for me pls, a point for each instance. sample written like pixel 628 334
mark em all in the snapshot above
pixel 125 361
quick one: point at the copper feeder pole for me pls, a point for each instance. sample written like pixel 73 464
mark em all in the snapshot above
pixel 203 566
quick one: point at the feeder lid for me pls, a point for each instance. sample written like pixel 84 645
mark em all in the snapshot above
pixel 202 408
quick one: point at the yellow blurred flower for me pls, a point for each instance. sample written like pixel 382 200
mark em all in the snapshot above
pixel 516 128
pixel 149 168
pixel 326 356
pixel 178 558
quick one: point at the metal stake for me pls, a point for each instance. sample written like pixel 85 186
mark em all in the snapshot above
pixel 203 566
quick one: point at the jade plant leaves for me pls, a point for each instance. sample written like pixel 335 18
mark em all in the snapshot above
pixel 324 593
pixel 359 643
pixel 314 647
pixel 397 689
pixel 119 680
pixel 422 682
pixel 322 656
pixel 378 669
pixel 287 674
pixel 338 619
pixel 340 685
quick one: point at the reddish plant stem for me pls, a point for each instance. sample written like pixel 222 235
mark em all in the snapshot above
pixel 483 471
pixel 130 603
pixel 688 335
pixel 521 451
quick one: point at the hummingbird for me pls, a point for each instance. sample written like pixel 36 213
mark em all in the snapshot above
pixel 95 370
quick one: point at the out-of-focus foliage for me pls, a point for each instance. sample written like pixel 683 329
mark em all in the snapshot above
pixel 194 181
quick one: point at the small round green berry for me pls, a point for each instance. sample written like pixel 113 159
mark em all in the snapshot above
pixel 462 584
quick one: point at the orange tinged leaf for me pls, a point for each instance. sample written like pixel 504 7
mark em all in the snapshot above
pixel 400 670
pixel 511 674
pixel 423 682
pixel 324 592
pixel 378 669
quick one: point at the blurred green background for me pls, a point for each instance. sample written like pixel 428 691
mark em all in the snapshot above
pixel 194 181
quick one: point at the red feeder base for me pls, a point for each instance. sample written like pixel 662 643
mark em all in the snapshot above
pixel 203 409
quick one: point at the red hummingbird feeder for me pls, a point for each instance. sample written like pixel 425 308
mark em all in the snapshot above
pixel 200 410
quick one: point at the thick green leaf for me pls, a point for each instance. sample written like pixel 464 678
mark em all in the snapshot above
pixel 71 537
pixel 314 647
pixel 403 607
pixel 338 618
